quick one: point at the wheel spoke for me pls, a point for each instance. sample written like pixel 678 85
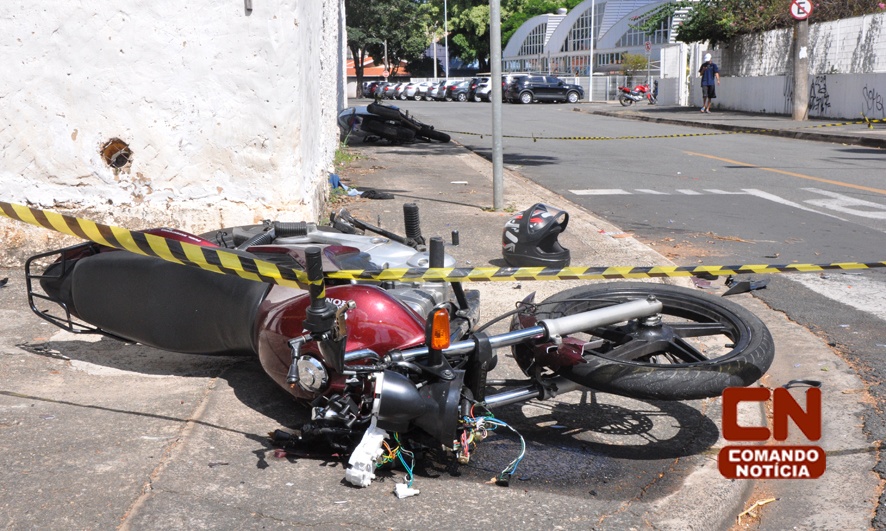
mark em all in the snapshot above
pixel 697 329
pixel 684 351
pixel 634 350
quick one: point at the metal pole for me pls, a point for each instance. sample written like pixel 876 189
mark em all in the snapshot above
pixel 591 56
pixel 800 109
pixel 446 36
pixel 495 94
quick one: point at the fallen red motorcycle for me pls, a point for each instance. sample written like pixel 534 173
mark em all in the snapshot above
pixel 627 96
pixel 402 360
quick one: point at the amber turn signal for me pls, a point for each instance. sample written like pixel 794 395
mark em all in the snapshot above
pixel 440 330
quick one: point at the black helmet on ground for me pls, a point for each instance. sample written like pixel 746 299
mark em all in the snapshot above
pixel 530 238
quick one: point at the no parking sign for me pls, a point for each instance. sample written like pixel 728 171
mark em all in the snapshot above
pixel 801 9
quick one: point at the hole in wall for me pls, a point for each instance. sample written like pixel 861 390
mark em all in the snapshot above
pixel 116 153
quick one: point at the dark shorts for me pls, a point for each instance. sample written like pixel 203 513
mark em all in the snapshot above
pixel 709 91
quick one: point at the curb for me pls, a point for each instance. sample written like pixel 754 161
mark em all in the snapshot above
pixel 783 133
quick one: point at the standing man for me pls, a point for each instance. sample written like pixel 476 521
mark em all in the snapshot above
pixel 710 78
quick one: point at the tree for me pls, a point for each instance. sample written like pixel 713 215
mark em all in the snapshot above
pixel 720 21
pixel 633 64
pixel 399 27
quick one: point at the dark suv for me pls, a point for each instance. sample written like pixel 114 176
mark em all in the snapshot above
pixel 527 89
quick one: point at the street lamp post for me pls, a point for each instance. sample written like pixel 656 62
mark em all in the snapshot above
pixel 591 57
pixel 446 37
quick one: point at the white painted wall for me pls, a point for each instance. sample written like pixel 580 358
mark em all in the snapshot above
pixel 847 71
pixel 230 114
pixel 837 96
pixel 849 46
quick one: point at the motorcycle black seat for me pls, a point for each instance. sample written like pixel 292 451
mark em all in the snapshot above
pixel 166 305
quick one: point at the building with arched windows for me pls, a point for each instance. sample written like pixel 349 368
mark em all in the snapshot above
pixel 562 43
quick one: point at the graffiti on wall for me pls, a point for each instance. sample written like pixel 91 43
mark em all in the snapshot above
pixel 788 93
pixel 873 103
pixel 819 99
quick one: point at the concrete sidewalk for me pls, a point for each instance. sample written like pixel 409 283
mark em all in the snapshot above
pixel 99 434
pixel 857 132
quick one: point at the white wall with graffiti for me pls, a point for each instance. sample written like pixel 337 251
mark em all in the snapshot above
pixel 195 114
pixel 847 63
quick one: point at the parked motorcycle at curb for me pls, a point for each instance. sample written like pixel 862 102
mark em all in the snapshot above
pixel 393 366
pixel 627 96
pixel 376 121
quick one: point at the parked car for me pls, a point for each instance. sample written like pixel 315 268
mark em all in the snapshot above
pixel 423 89
pixel 410 92
pixel 391 90
pixel 527 89
pixel 398 93
pixel 443 88
pixel 457 91
pixel 479 89
pixel 369 88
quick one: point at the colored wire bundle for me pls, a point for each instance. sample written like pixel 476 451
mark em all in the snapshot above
pixel 476 429
pixel 396 454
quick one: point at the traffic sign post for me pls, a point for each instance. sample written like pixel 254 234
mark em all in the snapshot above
pixel 801 9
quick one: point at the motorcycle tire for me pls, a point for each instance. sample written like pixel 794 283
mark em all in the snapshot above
pixel 388 113
pixel 655 360
pixel 624 100
pixel 431 134
pixel 387 131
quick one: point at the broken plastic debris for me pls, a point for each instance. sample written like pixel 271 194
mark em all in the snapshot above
pixel 362 461
pixel 402 490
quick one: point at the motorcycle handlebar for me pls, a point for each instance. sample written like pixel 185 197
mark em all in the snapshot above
pixel 553 328
pixel 570 324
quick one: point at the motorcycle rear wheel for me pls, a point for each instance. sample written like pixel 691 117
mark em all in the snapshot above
pixel 625 101
pixel 666 360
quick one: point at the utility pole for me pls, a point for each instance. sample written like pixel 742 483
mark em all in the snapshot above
pixel 446 37
pixel 495 94
pixel 591 56
pixel 800 10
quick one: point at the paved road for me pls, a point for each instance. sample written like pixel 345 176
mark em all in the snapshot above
pixel 701 196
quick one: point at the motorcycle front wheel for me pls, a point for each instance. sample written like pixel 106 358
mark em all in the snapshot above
pixel 625 101
pixel 698 346
pixel 387 131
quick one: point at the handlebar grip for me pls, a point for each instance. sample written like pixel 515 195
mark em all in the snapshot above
pixel 625 311
pixel 317 288
pixel 436 254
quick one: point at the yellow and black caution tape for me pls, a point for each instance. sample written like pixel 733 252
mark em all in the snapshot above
pixel 511 274
pixel 535 138
pixel 245 266
pixel 212 259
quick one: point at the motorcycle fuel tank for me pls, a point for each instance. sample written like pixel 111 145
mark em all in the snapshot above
pixel 378 322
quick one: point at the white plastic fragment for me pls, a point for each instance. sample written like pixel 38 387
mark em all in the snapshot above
pixel 402 490
pixel 363 459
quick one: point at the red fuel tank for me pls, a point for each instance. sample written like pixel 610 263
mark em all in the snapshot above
pixel 378 322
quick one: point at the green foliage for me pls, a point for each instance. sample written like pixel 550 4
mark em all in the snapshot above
pixel 404 25
pixel 720 21
pixel 633 64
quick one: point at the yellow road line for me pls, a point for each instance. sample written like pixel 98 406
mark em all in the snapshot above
pixel 791 173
